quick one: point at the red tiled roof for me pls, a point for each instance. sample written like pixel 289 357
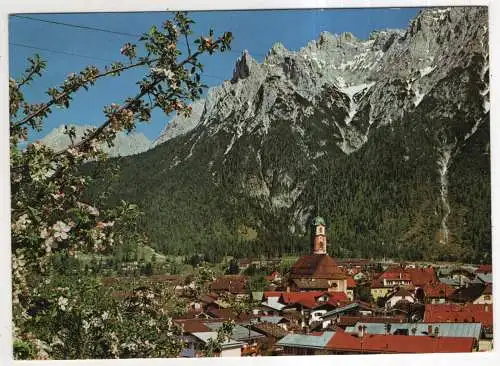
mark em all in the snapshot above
pixel 457 307
pixel 208 299
pixel 194 325
pixel 312 284
pixel 377 283
pixel 308 303
pixel 316 266
pixel 230 283
pixel 270 329
pixel 268 294
pixel 438 289
pixel 380 343
pixel 395 276
pixel 485 318
pixel 337 297
pixel 484 268
pixel 395 268
pixel 422 276
pixel 455 313
pixel 309 299
pixel 294 297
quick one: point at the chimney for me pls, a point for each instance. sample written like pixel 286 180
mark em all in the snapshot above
pixel 436 331
pixel 388 327
pixel 361 330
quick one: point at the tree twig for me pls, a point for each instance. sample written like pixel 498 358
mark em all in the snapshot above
pixel 65 94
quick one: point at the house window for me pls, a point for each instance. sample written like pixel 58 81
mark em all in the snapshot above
pixel 487 297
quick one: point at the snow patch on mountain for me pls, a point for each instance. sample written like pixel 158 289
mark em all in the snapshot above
pixel 418 98
pixel 351 91
pixel 426 70
pixel 473 130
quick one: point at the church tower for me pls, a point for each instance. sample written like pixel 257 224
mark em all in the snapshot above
pixel 318 235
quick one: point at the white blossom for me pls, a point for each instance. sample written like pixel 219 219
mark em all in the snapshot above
pixel 62 302
pixel 85 325
pixel 152 322
pixel 48 244
pixel 21 223
pixel 56 341
pixel 75 152
pixel 61 230
pixel 88 208
pixel 57 195
pixel 44 234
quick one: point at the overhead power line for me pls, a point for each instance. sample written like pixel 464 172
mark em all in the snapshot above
pixel 85 56
pixel 78 26
pixel 103 59
pixel 59 52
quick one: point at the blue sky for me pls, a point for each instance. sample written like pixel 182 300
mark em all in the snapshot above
pixel 255 31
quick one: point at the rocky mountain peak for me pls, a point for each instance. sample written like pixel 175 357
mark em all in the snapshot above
pixel 278 49
pixel 389 132
pixel 377 79
pixel 243 66
pixel 125 143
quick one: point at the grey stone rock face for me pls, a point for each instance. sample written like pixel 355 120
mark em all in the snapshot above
pixel 125 144
pixel 390 133
pixel 345 87
pixel 378 80
pixel 180 124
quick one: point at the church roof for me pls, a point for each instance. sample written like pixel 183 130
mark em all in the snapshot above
pixel 317 266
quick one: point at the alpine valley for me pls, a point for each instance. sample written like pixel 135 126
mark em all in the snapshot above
pixel 388 138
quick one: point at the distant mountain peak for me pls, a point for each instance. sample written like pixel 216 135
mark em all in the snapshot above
pixel 391 132
pixel 125 143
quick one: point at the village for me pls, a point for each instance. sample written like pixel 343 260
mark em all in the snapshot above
pixel 324 306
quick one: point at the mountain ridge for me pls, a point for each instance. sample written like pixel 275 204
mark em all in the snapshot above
pixel 374 130
pixel 125 144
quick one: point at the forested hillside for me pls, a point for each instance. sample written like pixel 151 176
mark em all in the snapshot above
pixel 388 138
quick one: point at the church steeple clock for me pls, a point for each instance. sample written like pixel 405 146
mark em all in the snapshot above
pixel 318 235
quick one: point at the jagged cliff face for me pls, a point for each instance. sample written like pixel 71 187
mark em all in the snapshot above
pixel 294 129
pixel 380 78
pixel 124 144
pixel 181 124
